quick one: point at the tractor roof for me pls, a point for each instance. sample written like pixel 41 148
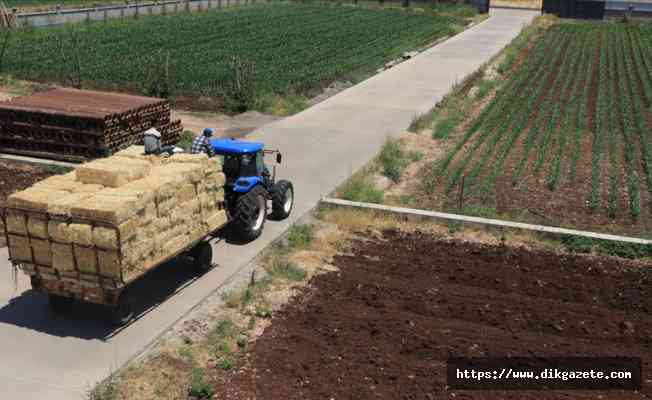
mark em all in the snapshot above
pixel 225 146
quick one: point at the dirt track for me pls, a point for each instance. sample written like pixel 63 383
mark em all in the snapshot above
pixel 402 304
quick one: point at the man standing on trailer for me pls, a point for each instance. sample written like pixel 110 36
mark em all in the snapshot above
pixel 202 143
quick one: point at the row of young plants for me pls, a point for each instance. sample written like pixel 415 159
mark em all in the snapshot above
pixel 569 122
pixel 496 111
pixel 538 88
pixel 539 123
pixel 549 99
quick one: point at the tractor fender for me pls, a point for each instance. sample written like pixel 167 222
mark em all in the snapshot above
pixel 246 184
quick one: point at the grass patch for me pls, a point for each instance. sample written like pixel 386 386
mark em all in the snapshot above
pixel 443 128
pixel 577 244
pixel 485 86
pixel 224 328
pixel 57 169
pixel 300 236
pixel 361 188
pixel 419 123
pixel 199 387
pixel 108 389
pixel 286 270
pixel 393 159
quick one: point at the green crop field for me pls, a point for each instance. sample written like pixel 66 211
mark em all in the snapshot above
pixel 568 134
pixel 293 47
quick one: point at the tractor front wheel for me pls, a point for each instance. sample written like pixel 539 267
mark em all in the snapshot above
pixel 250 214
pixel 282 200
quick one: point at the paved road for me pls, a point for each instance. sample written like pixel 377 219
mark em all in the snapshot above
pixel 48 357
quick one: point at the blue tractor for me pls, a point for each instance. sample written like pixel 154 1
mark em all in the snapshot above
pixel 250 186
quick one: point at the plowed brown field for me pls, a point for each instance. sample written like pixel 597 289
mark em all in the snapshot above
pixel 402 303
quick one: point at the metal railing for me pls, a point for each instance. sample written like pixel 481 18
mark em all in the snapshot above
pixel 134 9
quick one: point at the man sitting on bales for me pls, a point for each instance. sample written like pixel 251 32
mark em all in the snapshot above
pixel 152 142
pixel 202 143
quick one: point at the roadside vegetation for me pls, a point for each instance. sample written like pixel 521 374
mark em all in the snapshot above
pixel 503 145
pixel 243 56
pixel 199 363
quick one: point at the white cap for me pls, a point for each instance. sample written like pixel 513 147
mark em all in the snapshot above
pixel 153 132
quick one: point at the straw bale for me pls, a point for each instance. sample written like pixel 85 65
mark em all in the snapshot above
pixel 161 224
pixel 62 205
pixel 136 250
pixel 190 158
pixel 109 264
pixel 178 216
pixel 88 188
pixel 113 172
pixel 192 207
pixel 218 196
pixel 217 220
pixel 19 249
pixel 186 192
pixel 177 244
pixel 86 259
pixel 163 187
pixel 58 231
pixel 132 152
pixel 62 258
pixel 138 189
pixel 111 209
pixel 161 240
pixel 189 172
pixel 59 182
pixel 106 238
pixel 196 232
pixel 215 164
pixel 165 206
pixel 16 222
pixel 80 234
pixel 215 181
pixel 42 253
pixel 36 199
pixel 37 226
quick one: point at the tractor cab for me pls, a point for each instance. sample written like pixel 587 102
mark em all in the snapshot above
pixel 250 185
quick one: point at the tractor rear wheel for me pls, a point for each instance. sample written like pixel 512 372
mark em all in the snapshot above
pixel 250 213
pixel 282 200
pixel 60 304
pixel 123 312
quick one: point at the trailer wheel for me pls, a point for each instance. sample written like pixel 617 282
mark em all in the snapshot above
pixel 122 312
pixel 282 200
pixel 250 214
pixel 202 257
pixel 60 304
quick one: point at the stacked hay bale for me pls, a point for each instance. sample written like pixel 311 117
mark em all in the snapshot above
pixel 109 221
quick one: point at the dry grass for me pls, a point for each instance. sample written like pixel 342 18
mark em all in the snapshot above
pixel 167 373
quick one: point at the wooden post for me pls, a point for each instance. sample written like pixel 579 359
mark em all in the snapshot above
pixel 461 197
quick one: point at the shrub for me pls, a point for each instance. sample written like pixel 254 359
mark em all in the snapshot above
pixel 393 159
pixel 199 388
pixel 288 271
pixel 443 128
pixel 300 236
pixel 360 188
pixel 186 140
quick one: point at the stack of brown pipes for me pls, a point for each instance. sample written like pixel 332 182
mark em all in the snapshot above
pixel 79 125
